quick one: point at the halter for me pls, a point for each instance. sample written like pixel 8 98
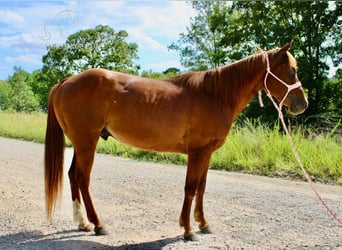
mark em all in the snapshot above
pixel 289 87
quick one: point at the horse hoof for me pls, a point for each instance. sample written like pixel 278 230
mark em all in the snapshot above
pixel 101 231
pixel 190 237
pixel 85 228
pixel 206 230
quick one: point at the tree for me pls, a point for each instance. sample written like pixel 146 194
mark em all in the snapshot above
pixel 5 94
pixel 157 75
pixel 152 74
pixel 171 71
pixel 39 87
pixel 332 93
pixel 315 28
pixel 200 47
pixel 16 94
pixel 100 47
pixel 230 31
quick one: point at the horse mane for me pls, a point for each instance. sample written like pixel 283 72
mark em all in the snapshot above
pixel 225 83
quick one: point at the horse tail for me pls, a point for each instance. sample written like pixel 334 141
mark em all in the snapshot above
pixel 54 157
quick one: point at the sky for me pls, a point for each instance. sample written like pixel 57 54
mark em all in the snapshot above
pixel 27 27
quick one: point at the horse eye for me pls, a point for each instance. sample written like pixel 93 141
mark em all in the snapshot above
pixel 292 72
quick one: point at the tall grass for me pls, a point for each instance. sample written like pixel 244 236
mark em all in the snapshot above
pixel 259 150
pixel 23 126
pixel 251 148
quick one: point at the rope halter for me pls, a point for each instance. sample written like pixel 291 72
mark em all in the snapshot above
pixel 289 87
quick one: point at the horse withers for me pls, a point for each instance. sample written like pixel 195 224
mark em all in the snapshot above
pixel 191 113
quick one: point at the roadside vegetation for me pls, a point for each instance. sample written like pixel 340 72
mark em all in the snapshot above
pixel 220 33
pixel 250 148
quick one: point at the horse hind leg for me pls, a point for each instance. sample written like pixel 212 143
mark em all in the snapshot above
pixel 83 223
pixel 85 152
pixel 78 215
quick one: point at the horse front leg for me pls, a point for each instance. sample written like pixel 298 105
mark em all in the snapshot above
pixel 198 213
pixel 198 162
pixel 184 219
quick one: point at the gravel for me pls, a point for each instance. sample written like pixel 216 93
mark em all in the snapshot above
pixel 140 203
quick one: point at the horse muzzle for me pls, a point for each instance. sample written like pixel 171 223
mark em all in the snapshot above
pixel 297 104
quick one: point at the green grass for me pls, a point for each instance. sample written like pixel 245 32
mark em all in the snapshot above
pixel 252 148
pixel 259 150
pixel 23 126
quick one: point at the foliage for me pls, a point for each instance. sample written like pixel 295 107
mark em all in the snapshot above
pixel 332 93
pixel 312 25
pixel 5 95
pixel 200 47
pixel 152 74
pixel 250 147
pixel 171 71
pixel 157 75
pixel 100 47
pixel 16 94
pixel 224 31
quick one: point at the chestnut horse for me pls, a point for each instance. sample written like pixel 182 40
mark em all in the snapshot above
pixel 191 113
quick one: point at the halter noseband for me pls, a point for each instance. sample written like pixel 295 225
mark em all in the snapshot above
pixel 289 87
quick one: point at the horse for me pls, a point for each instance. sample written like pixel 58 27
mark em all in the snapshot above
pixel 190 113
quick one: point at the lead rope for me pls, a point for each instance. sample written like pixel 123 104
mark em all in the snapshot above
pixel 281 117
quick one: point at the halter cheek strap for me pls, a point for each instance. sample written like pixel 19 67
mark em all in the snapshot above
pixel 289 87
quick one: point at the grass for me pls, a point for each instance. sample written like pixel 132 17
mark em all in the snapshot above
pixel 252 148
pixel 264 151
pixel 24 126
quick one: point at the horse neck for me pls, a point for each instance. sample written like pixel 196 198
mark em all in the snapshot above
pixel 241 81
pixel 232 86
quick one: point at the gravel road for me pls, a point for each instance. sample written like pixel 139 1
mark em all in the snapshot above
pixel 141 202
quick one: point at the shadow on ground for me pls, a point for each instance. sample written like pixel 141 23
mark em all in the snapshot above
pixel 66 240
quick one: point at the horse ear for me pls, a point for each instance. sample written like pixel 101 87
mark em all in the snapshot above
pixel 286 47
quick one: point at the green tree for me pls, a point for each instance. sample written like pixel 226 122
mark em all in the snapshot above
pixel 200 48
pixel 157 75
pixel 315 27
pixel 152 74
pixel 332 95
pixel 38 87
pixel 171 71
pixel 5 94
pixel 100 47
pixel 230 31
pixel 16 93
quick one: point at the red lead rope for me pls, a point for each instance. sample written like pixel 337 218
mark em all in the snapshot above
pixel 281 117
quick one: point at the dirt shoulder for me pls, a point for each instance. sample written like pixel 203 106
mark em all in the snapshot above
pixel 141 202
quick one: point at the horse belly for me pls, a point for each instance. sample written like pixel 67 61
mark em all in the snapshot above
pixel 147 135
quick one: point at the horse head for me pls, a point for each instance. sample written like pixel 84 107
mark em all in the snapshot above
pixel 281 80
